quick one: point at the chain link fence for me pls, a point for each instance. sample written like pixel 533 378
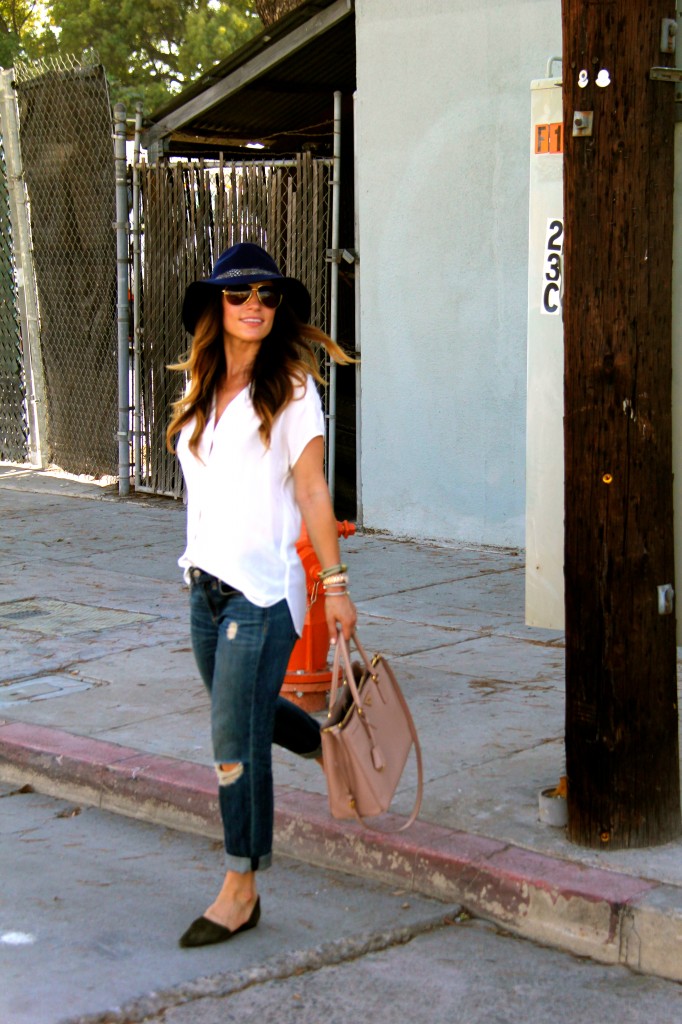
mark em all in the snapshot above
pixel 13 419
pixel 66 140
pixel 190 213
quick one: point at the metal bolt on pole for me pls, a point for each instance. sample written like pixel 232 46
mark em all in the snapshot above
pixel 123 311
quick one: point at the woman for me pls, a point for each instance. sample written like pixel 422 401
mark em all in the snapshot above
pixel 251 445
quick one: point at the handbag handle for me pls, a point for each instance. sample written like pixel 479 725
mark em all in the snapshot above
pixel 341 652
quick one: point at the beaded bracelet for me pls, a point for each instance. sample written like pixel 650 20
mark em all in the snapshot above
pixel 330 581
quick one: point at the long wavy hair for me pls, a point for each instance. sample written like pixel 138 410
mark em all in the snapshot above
pixel 285 358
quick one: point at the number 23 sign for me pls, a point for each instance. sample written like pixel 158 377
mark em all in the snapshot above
pixel 551 277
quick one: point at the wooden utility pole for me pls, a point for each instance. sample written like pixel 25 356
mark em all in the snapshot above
pixel 621 696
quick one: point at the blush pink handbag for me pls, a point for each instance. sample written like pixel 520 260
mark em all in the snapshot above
pixel 368 737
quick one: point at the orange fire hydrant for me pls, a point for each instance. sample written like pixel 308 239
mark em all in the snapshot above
pixel 308 676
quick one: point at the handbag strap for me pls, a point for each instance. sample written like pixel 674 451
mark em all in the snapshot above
pixel 342 653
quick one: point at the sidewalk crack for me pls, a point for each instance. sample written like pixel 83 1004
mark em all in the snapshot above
pixel 280 968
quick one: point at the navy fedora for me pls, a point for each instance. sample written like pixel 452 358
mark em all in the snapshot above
pixel 243 264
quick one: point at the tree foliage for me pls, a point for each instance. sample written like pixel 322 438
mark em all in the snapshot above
pixel 19 28
pixel 270 11
pixel 150 49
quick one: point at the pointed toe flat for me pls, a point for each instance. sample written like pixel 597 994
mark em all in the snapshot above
pixel 203 932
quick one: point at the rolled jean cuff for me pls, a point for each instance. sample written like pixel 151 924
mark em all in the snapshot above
pixel 242 865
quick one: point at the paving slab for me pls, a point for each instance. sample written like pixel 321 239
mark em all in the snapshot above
pixel 470 971
pixel 502 659
pixel 487 603
pixel 48 577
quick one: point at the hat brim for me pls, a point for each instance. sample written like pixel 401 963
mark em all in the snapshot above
pixel 200 294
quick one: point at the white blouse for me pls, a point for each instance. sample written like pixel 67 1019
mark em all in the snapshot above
pixel 242 519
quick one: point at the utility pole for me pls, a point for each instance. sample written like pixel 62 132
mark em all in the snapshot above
pixel 622 755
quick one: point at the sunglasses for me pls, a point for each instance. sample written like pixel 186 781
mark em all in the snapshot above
pixel 266 295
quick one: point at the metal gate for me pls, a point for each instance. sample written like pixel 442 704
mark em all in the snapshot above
pixel 188 214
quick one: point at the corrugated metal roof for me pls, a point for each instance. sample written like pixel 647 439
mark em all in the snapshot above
pixel 278 89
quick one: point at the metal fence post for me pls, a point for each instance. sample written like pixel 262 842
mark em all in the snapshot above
pixel 358 331
pixel 137 305
pixel 123 312
pixel 26 282
pixel 334 291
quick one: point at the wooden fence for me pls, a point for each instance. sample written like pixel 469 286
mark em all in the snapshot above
pixel 190 213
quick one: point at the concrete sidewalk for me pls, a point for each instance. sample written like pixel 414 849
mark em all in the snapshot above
pixel 100 702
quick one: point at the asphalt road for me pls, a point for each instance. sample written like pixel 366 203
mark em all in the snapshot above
pixel 92 904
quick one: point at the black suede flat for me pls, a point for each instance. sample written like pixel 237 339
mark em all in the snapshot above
pixel 204 932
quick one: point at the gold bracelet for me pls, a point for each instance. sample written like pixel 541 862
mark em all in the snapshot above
pixel 333 570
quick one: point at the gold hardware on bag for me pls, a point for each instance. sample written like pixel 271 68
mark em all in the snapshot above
pixel 375 661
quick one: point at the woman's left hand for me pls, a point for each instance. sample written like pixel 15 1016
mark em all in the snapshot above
pixel 341 615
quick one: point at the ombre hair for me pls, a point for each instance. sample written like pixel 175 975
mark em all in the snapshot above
pixel 285 359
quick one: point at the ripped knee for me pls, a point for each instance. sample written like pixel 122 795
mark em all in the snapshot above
pixel 229 773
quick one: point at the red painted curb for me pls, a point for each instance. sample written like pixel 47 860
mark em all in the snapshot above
pixel 117 774
pixel 583 907
pixel 429 858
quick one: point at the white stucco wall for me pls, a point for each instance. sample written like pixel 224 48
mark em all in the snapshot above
pixel 442 149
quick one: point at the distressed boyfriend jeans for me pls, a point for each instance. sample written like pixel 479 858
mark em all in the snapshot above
pixel 242 652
